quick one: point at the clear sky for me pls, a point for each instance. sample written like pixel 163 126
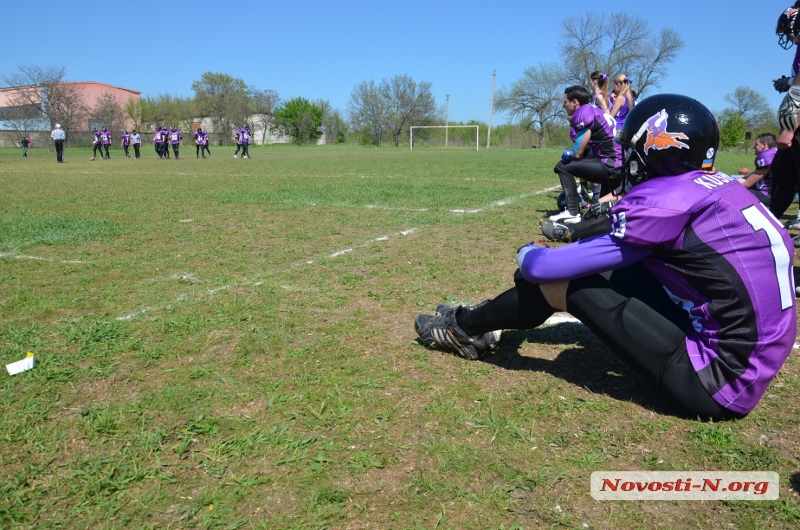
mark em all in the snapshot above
pixel 320 50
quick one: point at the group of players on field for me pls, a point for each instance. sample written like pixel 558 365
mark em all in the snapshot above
pixel 164 138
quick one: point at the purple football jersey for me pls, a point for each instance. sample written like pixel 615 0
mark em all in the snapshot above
pixel 763 160
pixel 601 125
pixel 199 138
pixel 727 261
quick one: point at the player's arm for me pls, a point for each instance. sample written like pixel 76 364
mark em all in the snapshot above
pixel 582 258
pixel 787 115
pixel 754 177
pixel 581 141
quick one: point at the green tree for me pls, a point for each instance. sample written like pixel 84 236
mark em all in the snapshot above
pixel 731 130
pixel 224 99
pixel 300 119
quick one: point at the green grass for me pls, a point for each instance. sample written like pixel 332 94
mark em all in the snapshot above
pixel 227 343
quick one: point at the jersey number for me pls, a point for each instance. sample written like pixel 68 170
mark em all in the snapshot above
pixel 783 262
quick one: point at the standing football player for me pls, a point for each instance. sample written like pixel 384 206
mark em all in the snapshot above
pixel 786 165
pixel 199 141
pixel 125 143
pixel 105 140
pixel 175 138
pixel 706 312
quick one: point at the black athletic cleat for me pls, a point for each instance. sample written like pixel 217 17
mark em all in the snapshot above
pixel 555 231
pixel 441 329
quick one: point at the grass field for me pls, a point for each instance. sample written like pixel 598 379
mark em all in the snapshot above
pixel 228 343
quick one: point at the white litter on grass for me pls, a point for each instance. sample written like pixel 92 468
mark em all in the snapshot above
pixel 561 318
pixel 186 220
pixel 22 365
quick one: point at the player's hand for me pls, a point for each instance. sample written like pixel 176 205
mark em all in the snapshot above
pixel 567 155
pixel 597 209
pixel 782 84
pixel 524 249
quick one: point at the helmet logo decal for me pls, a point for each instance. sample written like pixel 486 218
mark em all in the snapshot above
pixel 657 135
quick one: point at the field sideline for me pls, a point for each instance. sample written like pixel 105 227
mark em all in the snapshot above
pixel 228 343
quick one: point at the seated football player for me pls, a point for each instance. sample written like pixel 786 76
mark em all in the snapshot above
pixel 595 153
pixel 759 181
pixel 692 286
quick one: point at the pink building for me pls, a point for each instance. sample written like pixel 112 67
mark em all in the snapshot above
pixel 34 95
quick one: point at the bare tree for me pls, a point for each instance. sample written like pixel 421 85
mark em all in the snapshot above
pixel 367 110
pixel 262 109
pixel 407 103
pixel 617 44
pixel 133 111
pixel 333 125
pixel 222 98
pixel 45 88
pixel 752 107
pixel 108 113
pixel 535 100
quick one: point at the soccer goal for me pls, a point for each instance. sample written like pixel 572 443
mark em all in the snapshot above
pixel 439 136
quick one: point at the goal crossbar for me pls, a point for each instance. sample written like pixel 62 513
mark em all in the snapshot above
pixel 411 132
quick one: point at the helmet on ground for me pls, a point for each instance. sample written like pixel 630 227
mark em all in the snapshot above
pixel 665 135
pixel 788 27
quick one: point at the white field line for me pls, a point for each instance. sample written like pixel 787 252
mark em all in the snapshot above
pixel 21 256
pixel 210 292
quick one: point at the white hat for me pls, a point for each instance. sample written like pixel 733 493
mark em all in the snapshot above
pixel 58 125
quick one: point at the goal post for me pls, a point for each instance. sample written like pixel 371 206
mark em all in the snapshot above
pixel 411 132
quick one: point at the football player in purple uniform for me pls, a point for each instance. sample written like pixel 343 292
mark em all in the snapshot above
pixel 595 153
pixel 693 285
pixel 200 142
pixel 105 139
pixel 97 145
pixel 245 138
pixel 158 142
pixel 206 143
pixel 175 138
pixel 125 143
pixel 759 181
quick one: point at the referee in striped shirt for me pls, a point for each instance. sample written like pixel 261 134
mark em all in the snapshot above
pixel 59 136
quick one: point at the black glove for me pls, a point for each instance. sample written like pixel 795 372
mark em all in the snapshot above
pixel 783 83
pixel 597 209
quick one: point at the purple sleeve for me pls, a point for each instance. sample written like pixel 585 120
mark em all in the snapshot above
pixel 582 258
pixel 796 62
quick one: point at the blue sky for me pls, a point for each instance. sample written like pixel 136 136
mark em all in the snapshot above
pixel 320 50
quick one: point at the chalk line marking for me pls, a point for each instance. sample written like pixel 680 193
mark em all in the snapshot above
pixel 183 297
pixel 21 256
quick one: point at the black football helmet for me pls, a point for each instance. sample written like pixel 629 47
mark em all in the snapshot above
pixel 665 135
pixel 174 128
pixel 199 129
pixel 788 27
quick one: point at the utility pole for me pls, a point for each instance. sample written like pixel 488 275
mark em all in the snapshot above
pixel 446 117
pixel 491 105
